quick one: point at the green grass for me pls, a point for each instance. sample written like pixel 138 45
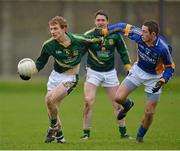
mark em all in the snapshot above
pixel 23 119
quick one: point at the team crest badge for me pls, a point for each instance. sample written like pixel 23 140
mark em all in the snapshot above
pixel 103 48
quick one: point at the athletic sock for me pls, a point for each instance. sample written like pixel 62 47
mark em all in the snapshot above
pixel 53 122
pixel 122 130
pixel 142 131
pixel 127 104
pixel 60 134
pixel 86 132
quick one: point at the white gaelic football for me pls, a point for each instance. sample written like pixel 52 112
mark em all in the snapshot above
pixel 26 67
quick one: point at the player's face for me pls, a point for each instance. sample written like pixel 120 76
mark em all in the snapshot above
pixel 56 31
pixel 101 21
pixel 146 35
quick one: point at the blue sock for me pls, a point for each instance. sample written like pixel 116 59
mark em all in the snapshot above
pixel 142 131
pixel 127 104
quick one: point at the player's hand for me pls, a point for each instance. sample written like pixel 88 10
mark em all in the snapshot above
pixel 98 32
pixel 127 68
pixel 157 86
pixel 24 77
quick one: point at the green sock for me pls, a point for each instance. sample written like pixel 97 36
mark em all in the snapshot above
pixel 53 122
pixel 122 130
pixel 86 132
pixel 60 134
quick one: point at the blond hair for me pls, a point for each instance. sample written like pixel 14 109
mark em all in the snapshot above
pixel 58 20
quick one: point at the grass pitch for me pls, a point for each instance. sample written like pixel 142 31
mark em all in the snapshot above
pixel 24 122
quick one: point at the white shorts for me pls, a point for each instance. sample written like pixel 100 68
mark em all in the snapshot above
pixel 105 79
pixel 139 77
pixel 55 78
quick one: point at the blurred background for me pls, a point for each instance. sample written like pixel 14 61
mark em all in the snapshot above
pixel 24 26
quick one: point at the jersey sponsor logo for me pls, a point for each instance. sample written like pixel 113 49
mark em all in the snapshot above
pixel 147 58
pixel 147 54
pixel 103 55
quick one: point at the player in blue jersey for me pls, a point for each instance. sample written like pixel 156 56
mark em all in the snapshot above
pixel 154 68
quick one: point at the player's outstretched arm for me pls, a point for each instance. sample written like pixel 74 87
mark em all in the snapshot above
pixel 119 27
pixel 124 29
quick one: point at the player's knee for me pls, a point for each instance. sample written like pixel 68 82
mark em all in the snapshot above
pixel 89 99
pixel 89 102
pixel 119 99
pixel 116 106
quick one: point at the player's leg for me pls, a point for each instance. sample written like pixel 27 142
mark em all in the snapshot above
pixel 151 103
pixel 121 97
pixel 111 91
pixel 53 98
pixel 93 79
pixel 111 84
pixel 129 84
pixel 59 85
pixel 89 98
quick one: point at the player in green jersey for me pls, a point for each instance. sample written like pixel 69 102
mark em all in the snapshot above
pixel 101 72
pixel 67 50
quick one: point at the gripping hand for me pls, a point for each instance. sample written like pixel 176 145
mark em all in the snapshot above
pixel 157 86
pixel 98 32
pixel 127 67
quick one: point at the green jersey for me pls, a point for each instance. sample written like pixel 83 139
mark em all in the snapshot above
pixel 101 55
pixel 65 58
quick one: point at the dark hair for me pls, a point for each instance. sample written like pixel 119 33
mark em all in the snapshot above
pixel 101 12
pixel 152 26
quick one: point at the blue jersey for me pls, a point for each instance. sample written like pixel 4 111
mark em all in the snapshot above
pixel 155 59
